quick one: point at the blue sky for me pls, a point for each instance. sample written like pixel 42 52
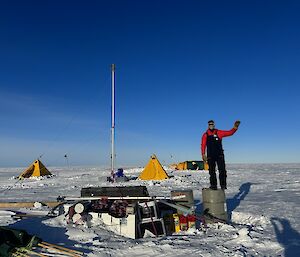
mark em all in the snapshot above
pixel 179 64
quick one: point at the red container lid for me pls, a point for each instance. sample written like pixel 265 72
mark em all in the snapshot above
pixel 191 218
pixel 183 219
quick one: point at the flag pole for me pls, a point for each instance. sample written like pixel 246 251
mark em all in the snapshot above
pixel 113 67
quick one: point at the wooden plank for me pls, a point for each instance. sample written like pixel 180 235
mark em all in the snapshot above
pixel 26 204
pixel 54 248
pixel 63 248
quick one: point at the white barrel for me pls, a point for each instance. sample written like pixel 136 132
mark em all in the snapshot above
pixel 79 208
pixel 214 201
pixel 76 218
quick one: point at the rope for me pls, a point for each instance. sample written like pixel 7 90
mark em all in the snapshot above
pixel 10 187
pixel 54 140
pixel 82 146
pixel 58 134
pixel 64 129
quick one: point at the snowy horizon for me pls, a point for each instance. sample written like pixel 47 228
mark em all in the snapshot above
pixel 263 199
pixel 228 164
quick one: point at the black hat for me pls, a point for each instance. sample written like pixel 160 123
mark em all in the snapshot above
pixel 210 121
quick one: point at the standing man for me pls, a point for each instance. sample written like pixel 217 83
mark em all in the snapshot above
pixel 212 143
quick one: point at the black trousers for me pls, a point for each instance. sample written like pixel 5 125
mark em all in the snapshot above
pixel 220 161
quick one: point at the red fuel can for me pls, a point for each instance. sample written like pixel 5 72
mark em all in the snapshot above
pixel 183 221
pixel 191 221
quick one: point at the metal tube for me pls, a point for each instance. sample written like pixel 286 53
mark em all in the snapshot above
pixel 116 198
pixel 113 67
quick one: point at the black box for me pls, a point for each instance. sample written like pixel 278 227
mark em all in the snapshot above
pixel 114 191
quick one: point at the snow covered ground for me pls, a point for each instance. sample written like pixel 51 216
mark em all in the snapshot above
pixel 263 198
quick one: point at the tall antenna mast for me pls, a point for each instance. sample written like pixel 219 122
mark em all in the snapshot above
pixel 113 67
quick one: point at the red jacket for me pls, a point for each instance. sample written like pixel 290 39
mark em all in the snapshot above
pixel 220 134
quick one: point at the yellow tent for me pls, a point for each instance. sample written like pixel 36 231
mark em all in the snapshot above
pixel 153 170
pixel 36 169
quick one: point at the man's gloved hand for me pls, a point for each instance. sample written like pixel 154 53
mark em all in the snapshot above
pixel 204 158
pixel 236 124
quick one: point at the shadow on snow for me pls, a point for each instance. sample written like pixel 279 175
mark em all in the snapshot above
pixel 288 237
pixel 54 235
pixel 234 202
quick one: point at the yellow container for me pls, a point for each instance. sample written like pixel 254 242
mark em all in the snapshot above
pixel 176 222
pixel 206 166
